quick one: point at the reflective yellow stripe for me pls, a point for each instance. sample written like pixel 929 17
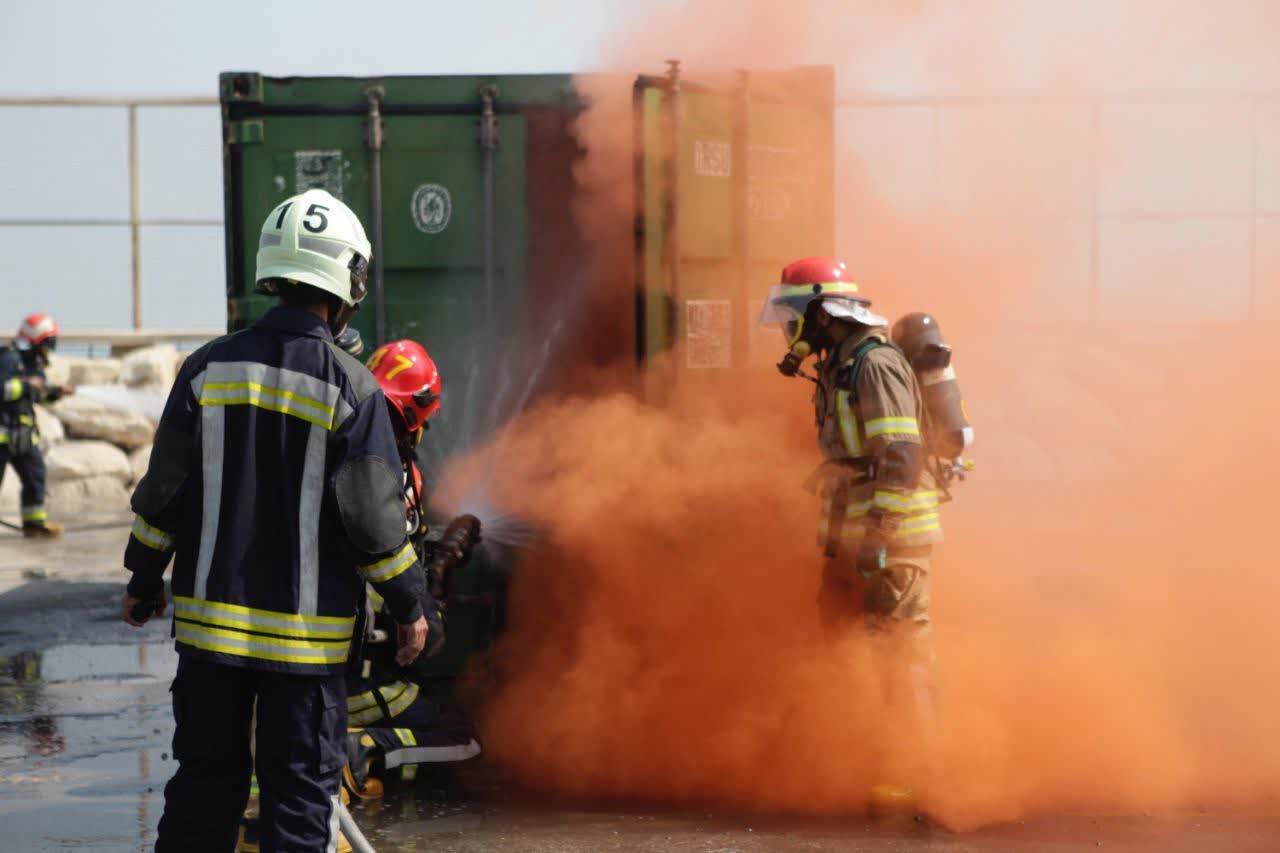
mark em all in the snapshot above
pixel 894 502
pixel 788 290
pixel 244 645
pixel 848 425
pixel 152 537
pixel 408 772
pixel 34 513
pixel 364 710
pixel 391 567
pixel 12 390
pixel 919 524
pixel 240 618
pixel 254 394
pixel 912 525
pixel 375 598
pixel 892 426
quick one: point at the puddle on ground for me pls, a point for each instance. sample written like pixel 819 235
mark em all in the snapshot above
pixel 84 745
pixel 85 731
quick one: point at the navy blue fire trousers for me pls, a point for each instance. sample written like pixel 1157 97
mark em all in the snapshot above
pixel 300 749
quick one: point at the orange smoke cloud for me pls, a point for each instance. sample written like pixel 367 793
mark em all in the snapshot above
pixel 1103 605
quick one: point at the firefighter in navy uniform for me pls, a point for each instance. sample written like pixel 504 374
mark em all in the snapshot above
pixel 274 484
pixel 880 514
pixel 22 385
pixel 397 724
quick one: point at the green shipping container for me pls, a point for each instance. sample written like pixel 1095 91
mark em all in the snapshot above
pixel 466 186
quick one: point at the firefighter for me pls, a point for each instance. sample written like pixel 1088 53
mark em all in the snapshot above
pixel 274 484
pixel 22 385
pixel 880 514
pixel 397 725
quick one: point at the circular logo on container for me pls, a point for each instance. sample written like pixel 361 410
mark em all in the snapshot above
pixel 431 207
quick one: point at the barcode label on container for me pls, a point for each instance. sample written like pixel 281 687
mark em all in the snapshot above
pixel 708 333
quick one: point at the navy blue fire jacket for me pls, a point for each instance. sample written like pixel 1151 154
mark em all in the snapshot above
pixel 275 484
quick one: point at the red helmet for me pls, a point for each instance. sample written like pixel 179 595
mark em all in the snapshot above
pixel 806 279
pixel 38 330
pixel 409 379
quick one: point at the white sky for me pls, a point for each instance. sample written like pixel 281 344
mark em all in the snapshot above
pixel 70 163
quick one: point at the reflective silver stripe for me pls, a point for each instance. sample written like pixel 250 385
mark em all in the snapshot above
pixel 309 498
pixel 391 567
pixel 212 439
pixel 431 754
pixel 237 617
pixel 275 388
pixel 268 238
pixel 344 411
pixel 328 248
pixel 239 644
pixel 152 537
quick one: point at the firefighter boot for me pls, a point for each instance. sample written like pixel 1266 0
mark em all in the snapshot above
pixel 41 530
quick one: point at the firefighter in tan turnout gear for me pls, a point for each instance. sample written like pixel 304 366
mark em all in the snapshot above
pixel 880 514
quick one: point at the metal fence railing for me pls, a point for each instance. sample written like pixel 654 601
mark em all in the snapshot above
pixel 134 220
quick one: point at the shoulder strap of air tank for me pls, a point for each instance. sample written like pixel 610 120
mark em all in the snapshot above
pixel 860 354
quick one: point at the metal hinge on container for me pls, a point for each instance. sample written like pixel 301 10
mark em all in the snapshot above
pixel 249 132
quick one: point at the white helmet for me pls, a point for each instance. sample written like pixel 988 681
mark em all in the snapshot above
pixel 313 238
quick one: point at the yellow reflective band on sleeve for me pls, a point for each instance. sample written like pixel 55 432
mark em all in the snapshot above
pixel 374 598
pixel 272 399
pixel 363 709
pixel 895 502
pixel 892 426
pixel 406 737
pixel 848 425
pixel 391 567
pixel 12 390
pixel 241 644
pixel 249 620
pixel 152 537
pixel 917 524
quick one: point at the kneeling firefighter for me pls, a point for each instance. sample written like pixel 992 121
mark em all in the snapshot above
pixel 880 515
pixel 22 385
pixel 397 724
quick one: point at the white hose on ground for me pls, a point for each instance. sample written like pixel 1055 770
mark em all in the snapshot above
pixel 359 844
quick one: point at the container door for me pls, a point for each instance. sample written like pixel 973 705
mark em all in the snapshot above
pixel 734 177
pixel 285 156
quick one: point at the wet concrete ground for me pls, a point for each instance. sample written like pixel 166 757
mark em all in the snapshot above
pixel 85 730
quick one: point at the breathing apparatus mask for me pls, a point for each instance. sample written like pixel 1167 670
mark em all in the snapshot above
pixel 799 313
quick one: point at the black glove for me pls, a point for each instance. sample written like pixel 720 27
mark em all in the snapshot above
pixel 145 587
pixel 790 365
